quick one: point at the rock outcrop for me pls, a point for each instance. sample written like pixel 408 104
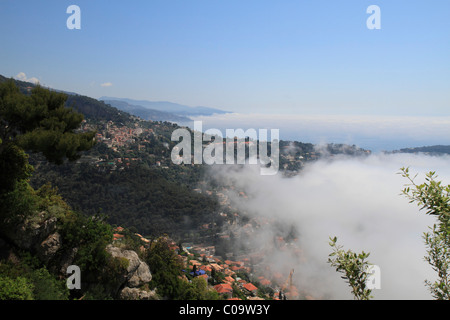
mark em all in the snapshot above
pixel 137 275
pixel 29 234
pixel 48 248
pixel 39 235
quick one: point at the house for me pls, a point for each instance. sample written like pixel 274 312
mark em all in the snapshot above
pixel 216 267
pixel 142 238
pixel 195 263
pixel 206 268
pixel 229 279
pixel 229 272
pixel 117 236
pixel 250 288
pixel 225 289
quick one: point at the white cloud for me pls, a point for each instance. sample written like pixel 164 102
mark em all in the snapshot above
pixel 356 199
pixel 23 77
pixel 106 84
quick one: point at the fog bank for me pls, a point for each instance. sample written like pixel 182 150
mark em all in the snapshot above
pixel 356 199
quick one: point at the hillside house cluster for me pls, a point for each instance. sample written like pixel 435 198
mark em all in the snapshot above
pixel 225 276
pixel 200 261
pixel 115 136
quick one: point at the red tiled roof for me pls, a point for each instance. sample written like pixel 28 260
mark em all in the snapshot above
pixel 223 288
pixel 204 276
pixel 117 236
pixel 250 287
pixel 206 267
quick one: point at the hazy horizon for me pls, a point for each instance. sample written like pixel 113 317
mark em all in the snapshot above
pixel 375 133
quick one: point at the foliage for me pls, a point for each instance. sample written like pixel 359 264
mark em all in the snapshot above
pixel 237 292
pixel 353 266
pixel 198 290
pixel 167 275
pixel 19 288
pixel 90 235
pixel 166 269
pixel 139 196
pixel 434 197
pixel 17 203
pixel 14 166
pixel 47 287
pixel 28 279
pixel 41 122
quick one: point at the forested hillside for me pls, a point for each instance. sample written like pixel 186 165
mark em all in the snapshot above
pixel 147 192
pixel 41 235
pixel 139 197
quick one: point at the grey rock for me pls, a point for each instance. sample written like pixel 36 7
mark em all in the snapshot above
pixel 141 276
pixel 137 273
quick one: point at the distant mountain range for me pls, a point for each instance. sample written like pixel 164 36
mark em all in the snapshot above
pixel 151 110
pixel 146 113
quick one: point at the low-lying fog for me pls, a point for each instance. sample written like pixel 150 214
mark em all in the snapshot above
pixel 356 199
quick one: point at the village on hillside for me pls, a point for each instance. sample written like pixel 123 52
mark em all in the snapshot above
pixel 231 279
pixel 242 278
pixel 136 141
pixel 211 253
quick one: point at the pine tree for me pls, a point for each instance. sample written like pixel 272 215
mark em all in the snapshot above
pixel 39 122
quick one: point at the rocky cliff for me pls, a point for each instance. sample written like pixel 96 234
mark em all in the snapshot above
pixel 40 235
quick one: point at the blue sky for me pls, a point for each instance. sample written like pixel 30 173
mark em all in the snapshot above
pixel 284 57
